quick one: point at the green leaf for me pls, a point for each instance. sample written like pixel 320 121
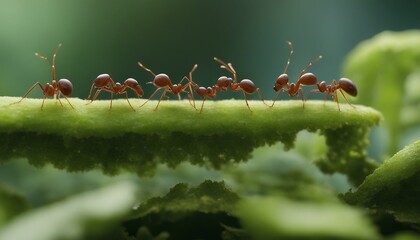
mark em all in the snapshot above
pixel 92 136
pixel 382 67
pixel 84 216
pixel 278 218
pixel 187 213
pixel 208 197
pixel 11 204
pixel 393 187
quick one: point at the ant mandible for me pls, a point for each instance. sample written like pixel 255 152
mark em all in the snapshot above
pixel 343 84
pixel 245 85
pixel 305 79
pixel 104 82
pixel 55 88
pixel 163 81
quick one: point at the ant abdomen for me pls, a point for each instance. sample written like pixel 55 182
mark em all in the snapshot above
pixel 348 86
pixel 162 80
pixel 248 86
pixel 308 79
pixel 65 86
pixel 102 80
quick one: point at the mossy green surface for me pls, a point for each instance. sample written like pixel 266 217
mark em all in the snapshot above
pixel 91 136
pixel 393 187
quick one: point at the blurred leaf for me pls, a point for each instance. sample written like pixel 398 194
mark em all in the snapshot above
pixel 11 204
pixel 393 187
pixel 380 67
pixel 187 213
pixel 278 218
pixel 225 132
pixel 84 216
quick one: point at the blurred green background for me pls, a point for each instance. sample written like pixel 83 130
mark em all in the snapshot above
pixel 170 36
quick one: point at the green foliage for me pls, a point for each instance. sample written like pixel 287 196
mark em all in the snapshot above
pixel 278 218
pixel 385 69
pixel 91 215
pixel 91 136
pixel 186 213
pixel 11 204
pixel 393 187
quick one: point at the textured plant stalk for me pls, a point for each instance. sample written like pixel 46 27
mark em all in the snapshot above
pixel 91 136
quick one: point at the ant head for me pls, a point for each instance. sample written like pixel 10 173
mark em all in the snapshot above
pixel 348 86
pixel 162 80
pixel 282 80
pixel 65 87
pixel 224 82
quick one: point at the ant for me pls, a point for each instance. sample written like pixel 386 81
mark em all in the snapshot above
pixel 163 81
pixel 245 85
pixel 343 84
pixel 204 92
pixel 104 82
pixel 305 79
pixel 55 88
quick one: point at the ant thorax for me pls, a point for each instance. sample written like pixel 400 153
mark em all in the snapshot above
pixel 117 88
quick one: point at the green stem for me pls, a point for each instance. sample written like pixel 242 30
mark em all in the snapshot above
pixel 91 136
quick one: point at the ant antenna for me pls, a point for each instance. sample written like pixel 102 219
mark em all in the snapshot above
pixel 145 68
pixel 48 60
pixel 228 67
pixel 290 55
pixel 310 65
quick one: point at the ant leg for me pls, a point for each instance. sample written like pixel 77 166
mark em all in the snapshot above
pixel 202 105
pixel 275 99
pixel 95 96
pixel 346 99
pixel 336 99
pixel 246 100
pixel 90 92
pixel 303 98
pixel 153 94
pixel 30 90
pixel 160 99
pixel 126 97
pixel 42 105
pixel 261 97
pixel 190 87
pixel 68 101
pixel 58 98
pixel 110 105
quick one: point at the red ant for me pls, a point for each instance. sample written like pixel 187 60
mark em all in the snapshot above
pixel 293 89
pixel 245 85
pixel 56 88
pixel 204 92
pixel 104 82
pixel 343 84
pixel 163 81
